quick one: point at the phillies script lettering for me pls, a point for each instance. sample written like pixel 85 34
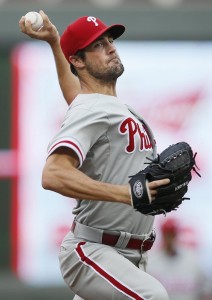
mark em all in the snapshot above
pixel 132 129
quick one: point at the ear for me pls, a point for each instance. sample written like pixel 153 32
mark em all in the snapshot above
pixel 76 61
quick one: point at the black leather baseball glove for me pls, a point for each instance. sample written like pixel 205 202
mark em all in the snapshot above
pixel 176 163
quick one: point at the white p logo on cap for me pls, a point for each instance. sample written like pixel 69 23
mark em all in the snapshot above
pixel 92 19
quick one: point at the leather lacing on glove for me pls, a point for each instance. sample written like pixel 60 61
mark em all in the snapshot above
pixel 156 161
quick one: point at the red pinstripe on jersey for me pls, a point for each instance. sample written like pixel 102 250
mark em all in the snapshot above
pixel 104 274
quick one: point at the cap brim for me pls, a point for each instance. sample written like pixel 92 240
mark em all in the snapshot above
pixel 115 30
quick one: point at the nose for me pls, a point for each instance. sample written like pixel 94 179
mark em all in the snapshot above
pixel 111 47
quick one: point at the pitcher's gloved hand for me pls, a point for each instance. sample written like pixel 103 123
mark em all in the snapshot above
pixel 175 163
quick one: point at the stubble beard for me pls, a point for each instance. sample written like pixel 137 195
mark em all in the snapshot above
pixel 106 75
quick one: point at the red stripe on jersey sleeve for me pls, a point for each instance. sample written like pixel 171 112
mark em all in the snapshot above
pixel 70 143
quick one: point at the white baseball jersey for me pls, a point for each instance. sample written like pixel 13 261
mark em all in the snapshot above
pixel 111 144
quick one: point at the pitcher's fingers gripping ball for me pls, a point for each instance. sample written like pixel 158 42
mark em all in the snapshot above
pixel 175 163
pixel 35 18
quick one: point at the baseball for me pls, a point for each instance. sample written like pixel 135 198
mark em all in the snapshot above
pixel 35 19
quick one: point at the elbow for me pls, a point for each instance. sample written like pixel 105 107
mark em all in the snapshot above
pixel 48 179
pixel 45 183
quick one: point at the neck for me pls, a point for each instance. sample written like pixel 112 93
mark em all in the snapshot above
pixel 91 85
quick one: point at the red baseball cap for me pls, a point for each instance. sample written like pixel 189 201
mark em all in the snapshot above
pixel 84 31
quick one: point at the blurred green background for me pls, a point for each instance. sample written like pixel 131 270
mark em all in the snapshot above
pixel 144 19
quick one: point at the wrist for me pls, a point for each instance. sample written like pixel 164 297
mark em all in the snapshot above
pixel 127 199
pixel 54 42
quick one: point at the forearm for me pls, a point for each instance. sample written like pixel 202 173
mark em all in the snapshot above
pixel 75 184
pixel 69 83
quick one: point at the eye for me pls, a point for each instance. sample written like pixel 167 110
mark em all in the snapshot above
pixel 111 40
pixel 98 44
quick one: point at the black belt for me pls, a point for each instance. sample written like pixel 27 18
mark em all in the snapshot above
pixel 133 243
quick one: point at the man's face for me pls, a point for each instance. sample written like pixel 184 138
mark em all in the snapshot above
pixel 102 61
